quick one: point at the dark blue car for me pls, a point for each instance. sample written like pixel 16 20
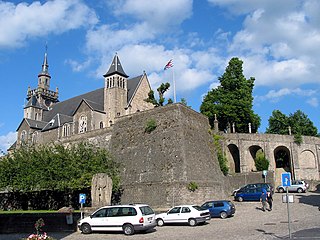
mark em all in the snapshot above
pixel 248 194
pixel 220 208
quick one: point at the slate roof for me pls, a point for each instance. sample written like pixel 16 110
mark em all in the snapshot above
pixel 68 106
pixel 57 121
pixel 116 67
pixel 33 102
pixel 94 99
pixel 33 123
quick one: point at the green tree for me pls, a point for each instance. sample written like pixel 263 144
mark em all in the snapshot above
pixel 161 90
pixel 299 123
pixel 232 100
pixel 56 167
pixel 278 123
pixel 261 162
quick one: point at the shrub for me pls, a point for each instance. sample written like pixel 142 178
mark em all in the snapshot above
pixel 223 162
pixel 150 126
pixel 192 186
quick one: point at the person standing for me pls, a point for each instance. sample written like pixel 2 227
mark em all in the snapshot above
pixel 263 199
pixel 270 200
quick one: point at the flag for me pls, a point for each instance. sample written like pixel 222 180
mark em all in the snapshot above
pixel 168 65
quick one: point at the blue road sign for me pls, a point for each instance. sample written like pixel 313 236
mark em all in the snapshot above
pixel 286 179
pixel 82 198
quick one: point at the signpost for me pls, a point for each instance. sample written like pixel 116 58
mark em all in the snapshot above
pixel 286 182
pixel 82 200
pixel 265 173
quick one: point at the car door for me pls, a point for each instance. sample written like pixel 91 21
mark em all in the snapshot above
pixel 173 215
pixel 294 186
pixel 98 221
pixel 185 214
pixel 218 207
pixel 249 194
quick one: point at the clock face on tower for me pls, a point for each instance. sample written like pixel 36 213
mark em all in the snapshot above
pixel 47 102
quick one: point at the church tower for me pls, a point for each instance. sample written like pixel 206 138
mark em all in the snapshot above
pixel 42 97
pixel 115 91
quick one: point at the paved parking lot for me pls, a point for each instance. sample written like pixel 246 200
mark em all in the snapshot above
pixel 249 222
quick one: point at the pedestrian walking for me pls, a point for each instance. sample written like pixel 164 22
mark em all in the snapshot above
pixel 270 200
pixel 263 199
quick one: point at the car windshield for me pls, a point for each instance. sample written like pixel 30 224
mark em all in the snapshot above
pixel 198 208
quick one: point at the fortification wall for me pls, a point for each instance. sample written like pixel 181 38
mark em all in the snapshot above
pixel 158 166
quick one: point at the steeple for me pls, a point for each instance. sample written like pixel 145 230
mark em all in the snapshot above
pixel 116 68
pixel 44 95
pixel 45 65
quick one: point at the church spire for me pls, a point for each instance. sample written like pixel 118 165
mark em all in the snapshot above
pixel 116 68
pixel 45 65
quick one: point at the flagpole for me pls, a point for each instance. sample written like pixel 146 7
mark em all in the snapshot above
pixel 174 87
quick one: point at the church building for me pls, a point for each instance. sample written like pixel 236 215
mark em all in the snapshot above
pixel 46 119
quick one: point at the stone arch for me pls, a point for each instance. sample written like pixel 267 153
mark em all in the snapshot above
pixel 253 152
pixel 282 158
pixel 234 158
pixel 307 159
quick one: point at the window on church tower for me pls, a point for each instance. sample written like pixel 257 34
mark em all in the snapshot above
pixel 101 125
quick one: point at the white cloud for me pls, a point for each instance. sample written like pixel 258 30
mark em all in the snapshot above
pixel 277 41
pixel 157 15
pixel 275 95
pixel 6 141
pixel 77 66
pixel 313 102
pixel 22 21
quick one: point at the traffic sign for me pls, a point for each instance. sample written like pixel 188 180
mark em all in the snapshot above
pixel 286 179
pixel 82 198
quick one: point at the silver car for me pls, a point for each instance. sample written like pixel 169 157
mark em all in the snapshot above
pixel 296 186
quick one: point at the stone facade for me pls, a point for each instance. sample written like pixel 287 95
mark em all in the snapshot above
pixel 302 159
pixel 101 190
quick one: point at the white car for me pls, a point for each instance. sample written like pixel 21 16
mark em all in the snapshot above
pixel 126 218
pixel 190 214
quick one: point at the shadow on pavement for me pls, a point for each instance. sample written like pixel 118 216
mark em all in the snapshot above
pixel 312 200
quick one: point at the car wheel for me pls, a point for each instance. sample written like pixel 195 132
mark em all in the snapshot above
pixel 300 190
pixel 192 222
pixel 240 199
pixel 160 222
pixel 281 190
pixel 85 228
pixel 128 229
pixel 223 215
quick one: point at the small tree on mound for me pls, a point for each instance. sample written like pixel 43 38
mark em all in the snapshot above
pixel 261 162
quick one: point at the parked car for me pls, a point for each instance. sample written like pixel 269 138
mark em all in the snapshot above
pixel 296 186
pixel 248 194
pixel 190 214
pixel 126 218
pixel 267 186
pixel 220 208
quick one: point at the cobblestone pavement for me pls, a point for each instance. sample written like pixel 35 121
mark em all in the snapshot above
pixel 249 222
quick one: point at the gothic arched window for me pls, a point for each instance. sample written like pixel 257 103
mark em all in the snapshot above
pixel 83 124
pixel 23 136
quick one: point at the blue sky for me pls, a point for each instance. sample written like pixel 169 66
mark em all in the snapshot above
pixel 278 42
